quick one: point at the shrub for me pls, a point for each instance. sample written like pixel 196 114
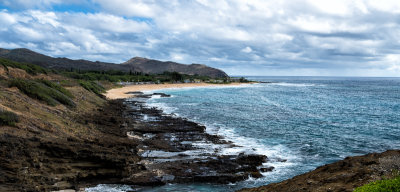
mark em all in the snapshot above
pixel 92 86
pixel 40 91
pixel 57 87
pixel 8 118
pixel 386 185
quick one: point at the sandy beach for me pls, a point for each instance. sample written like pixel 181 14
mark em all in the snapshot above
pixel 121 93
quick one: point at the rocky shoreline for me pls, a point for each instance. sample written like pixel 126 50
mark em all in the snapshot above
pixel 127 142
pixel 344 175
pixel 176 150
pixel 133 145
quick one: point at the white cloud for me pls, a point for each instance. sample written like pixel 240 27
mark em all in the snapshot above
pixel 393 61
pixel 6 19
pixel 306 35
pixel 177 56
pixel 69 33
pixel 247 50
pixel 45 17
pixel 106 22
pixel 30 3
pixel 130 7
pixel 28 33
pixel 337 7
pixel 391 6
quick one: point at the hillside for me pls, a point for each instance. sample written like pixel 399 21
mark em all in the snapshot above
pixel 153 66
pixel 55 134
pixel 135 64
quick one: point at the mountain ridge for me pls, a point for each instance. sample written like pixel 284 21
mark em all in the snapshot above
pixel 137 64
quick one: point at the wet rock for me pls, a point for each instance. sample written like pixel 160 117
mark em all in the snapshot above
pixel 135 93
pixel 162 94
pixel 267 169
pixel 344 175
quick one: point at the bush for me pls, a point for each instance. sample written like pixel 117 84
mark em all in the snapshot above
pixel 8 118
pixel 40 91
pixel 57 87
pixel 387 185
pixel 92 86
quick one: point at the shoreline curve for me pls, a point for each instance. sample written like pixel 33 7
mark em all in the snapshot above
pixel 122 92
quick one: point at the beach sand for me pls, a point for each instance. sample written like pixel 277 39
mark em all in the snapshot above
pixel 121 93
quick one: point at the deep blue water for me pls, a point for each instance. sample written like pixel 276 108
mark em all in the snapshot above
pixel 310 121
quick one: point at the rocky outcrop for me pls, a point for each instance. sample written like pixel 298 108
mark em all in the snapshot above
pixel 344 175
pixel 136 64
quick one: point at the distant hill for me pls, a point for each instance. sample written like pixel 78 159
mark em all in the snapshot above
pixel 153 66
pixel 137 64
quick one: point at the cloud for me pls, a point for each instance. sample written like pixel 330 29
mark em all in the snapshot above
pixel 145 8
pixel 76 35
pixel 105 23
pixel 247 50
pixel 20 4
pixel 297 37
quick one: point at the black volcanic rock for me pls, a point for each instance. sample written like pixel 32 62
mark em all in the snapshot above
pixel 137 64
pixel 343 176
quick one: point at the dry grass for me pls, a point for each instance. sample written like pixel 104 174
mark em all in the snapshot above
pixel 54 121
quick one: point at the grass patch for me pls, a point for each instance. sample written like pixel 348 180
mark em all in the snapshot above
pixel 56 87
pixel 41 91
pixel 8 118
pixel 386 185
pixel 29 68
pixel 92 86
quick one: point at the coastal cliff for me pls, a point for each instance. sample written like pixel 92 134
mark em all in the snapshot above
pixel 344 175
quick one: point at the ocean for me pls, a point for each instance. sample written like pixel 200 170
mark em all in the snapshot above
pixel 300 123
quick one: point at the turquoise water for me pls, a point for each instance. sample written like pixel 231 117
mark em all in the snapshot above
pixel 309 121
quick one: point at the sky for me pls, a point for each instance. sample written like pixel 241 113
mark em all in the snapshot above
pixel 241 37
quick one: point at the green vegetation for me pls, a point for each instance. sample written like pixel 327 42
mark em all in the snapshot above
pixel 386 185
pixel 8 118
pixel 111 76
pixel 41 91
pixel 54 93
pixel 92 86
pixel 29 68
pixel 243 80
pixel 57 87
pixel 119 76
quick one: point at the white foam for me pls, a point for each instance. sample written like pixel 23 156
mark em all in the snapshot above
pixel 275 153
pixel 109 188
pixel 163 106
pixel 216 86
